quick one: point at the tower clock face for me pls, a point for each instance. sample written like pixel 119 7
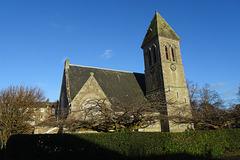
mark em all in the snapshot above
pixel 173 67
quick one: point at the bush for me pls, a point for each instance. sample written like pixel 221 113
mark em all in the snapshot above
pixel 131 145
pixel 233 139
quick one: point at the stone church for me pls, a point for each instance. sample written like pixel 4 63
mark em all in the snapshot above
pixel 164 75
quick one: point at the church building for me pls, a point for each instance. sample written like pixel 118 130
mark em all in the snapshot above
pixel 164 76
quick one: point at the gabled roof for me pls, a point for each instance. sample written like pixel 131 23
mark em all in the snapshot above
pixel 119 85
pixel 159 27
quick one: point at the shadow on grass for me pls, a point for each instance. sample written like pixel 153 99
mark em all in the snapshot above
pixel 66 146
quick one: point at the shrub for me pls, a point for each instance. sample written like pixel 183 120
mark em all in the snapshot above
pixel 130 145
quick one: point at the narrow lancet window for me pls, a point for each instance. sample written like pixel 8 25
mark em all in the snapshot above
pixel 149 58
pixel 173 55
pixel 154 55
pixel 166 52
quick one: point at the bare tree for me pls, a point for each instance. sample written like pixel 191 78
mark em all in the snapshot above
pixel 97 115
pixel 234 112
pixel 192 91
pixel 209 110
pixel 17 105
pixel 119 115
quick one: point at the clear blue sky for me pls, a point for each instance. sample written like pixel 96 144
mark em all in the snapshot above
pixel 36 36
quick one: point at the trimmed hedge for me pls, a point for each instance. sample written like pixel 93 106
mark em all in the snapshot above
pixel 130 145
pixel 204 143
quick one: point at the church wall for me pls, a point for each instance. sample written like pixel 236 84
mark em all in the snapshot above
pixel 166 76
pixel 90 91
pixel 152 128
pixel 175 84
pixel 63 97
pixel 153 73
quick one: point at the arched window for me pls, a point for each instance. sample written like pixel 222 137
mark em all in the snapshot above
pixel 149 58
pixel 173 54
pixel 153 51
pixel 166 52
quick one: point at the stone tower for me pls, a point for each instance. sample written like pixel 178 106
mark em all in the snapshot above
pixel 164 74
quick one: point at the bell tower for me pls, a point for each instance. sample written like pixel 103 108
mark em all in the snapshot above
pixel 164 74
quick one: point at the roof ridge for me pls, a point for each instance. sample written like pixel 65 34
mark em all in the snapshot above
pixel 103 68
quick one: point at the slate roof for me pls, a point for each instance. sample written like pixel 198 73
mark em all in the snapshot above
pixel 119 85
pixel 159 27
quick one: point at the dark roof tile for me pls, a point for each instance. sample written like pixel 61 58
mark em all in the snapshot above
pixel 118 85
